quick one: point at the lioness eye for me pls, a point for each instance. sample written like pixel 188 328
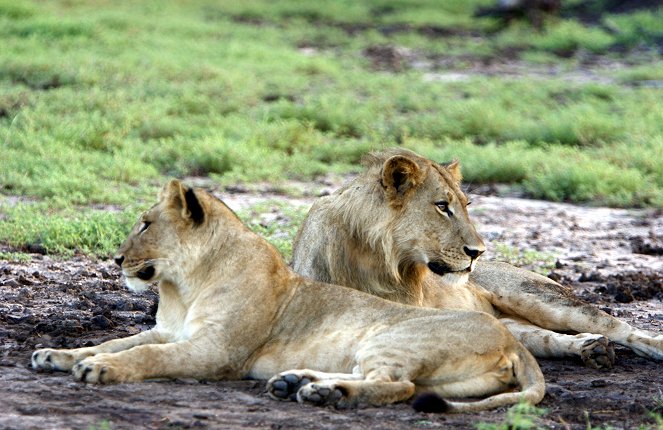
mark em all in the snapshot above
pixel 444 207
pixel 144 227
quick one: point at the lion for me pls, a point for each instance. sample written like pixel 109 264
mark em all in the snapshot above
pixel 401 231
pixel 230 308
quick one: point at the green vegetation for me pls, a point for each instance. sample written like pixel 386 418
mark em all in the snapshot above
pixel 522 416
pixel 100 103
pixel 540 262
pixel 33 226
pixel 277 222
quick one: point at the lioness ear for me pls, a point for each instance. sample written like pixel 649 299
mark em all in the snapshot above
pixel 454 169
pixel 399 174
pixel 184 200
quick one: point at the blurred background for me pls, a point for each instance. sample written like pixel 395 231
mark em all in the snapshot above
pixel 101 101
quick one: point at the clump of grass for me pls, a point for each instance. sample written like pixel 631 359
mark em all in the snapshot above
pixel 540 262
pixel 18 257
pixel 16 10
pixel 591 180
pixel 635 28
pixel 521 416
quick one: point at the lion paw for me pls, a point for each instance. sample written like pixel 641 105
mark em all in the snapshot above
pixel 52 359
pixel 598 353
pixel 320 394
pixel 285 386
pixel 99 370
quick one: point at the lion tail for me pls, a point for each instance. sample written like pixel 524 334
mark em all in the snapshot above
pixel 530 379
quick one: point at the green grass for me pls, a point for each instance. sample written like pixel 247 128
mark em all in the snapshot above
pixel 277 222
pixel 521 416
pixel 99 104
pixel 64 232
pixel 540 262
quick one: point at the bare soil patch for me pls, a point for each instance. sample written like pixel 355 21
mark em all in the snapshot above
pixel 50 303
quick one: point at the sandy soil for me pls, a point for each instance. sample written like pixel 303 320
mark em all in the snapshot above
pixel 611 257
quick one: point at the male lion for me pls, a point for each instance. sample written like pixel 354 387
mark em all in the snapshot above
pixel 401 231
pixel 229 307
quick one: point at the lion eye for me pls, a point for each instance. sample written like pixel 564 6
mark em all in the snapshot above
pixel 144 227
pixel 443 206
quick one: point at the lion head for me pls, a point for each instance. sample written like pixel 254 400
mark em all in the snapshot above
pixel 166 240
pixel 403 216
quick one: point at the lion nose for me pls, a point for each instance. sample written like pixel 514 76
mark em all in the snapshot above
pixel 473 252
pixel 119 260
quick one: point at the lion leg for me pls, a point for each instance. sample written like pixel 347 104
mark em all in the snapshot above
pixel 168 360
pixel 65 359
pixel 595 350
pixel 577 316
pixel 547 304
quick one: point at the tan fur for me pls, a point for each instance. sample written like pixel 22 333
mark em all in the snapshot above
pixel 378 238
pixel 229 307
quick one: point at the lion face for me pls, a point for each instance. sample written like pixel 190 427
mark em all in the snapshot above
pixel 154 249
pixel 430 222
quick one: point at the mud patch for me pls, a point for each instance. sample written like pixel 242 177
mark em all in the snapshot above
pixel 625 287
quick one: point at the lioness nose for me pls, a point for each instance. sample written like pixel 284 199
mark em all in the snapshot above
pixel 473 252
pixel 119 259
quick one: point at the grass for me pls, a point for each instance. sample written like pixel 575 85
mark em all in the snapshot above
pixel 29 226
pixel 99 104
pixel 521 416
pixel 540 262
pixel 277 222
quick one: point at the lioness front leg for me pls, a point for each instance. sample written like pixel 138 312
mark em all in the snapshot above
pixel 169 360
pixel 595 350
pixel 65 359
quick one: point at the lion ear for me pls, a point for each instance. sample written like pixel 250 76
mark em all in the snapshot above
pixel 184 200
pixel 454 169
pixel 400 174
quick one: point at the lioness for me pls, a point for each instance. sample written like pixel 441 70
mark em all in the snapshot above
pixel 401 231
pixel 229 307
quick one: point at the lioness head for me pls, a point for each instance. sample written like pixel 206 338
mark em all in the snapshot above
pixel 160 244
pixel 420 215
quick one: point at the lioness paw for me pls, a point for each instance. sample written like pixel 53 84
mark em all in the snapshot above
pixel 598 353
pixel 100 369
pixel 52 359
pixel 285 386
pixel 320 394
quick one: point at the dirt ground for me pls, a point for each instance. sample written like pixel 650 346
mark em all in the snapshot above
pixel 611 257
